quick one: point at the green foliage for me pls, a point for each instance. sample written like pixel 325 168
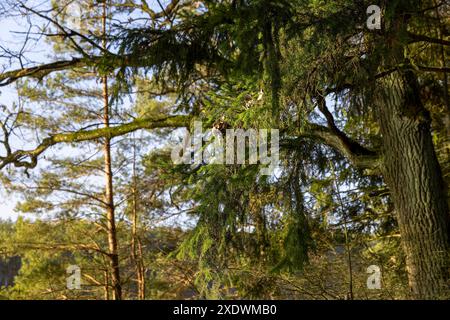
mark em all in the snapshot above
pixel 304 231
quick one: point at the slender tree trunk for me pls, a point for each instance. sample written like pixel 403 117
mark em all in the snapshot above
pixel 109 195
pixel 136 251
pixel 136 248
pixel 413 174
pixel 110 208
pixel 348 249
pixel 106 285
pixel 141 274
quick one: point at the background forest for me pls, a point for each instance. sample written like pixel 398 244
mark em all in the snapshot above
pixel 95 94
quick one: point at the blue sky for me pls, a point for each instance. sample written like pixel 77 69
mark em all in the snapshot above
pixel 7 97
pixel 37 52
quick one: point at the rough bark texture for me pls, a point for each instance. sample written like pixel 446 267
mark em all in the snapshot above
pixel 413 175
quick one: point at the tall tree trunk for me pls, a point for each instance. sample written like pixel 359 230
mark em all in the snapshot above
pixel 348 249
pixel 141 274
pixel 411 168
pixel 413 174
pixel 136 247
pixel 111 224
pixel 136 251
pixel 106 285
pixel 109 195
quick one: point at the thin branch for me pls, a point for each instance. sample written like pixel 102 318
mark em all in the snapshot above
pixel 422 38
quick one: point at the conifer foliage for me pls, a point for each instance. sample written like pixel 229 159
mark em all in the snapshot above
pixel 363 116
